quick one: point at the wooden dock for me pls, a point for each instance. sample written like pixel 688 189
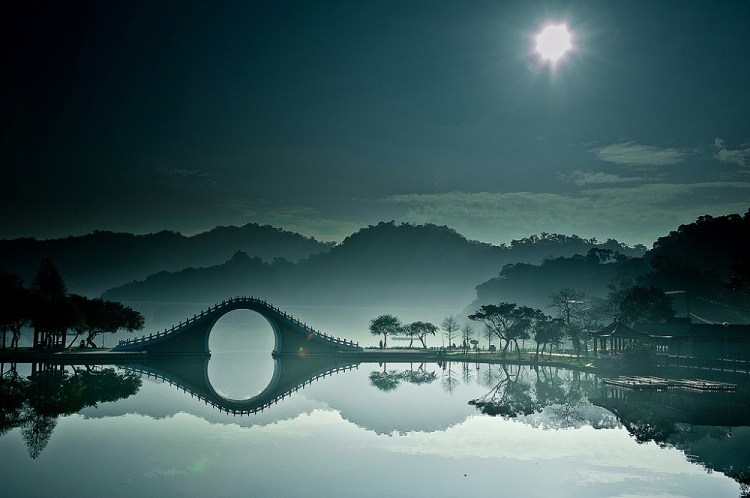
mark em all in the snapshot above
pixel 660 384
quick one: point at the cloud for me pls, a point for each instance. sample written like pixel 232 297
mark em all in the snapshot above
pixel 634 214
pixel 184 176
pixel 583 178
pixel 304 220
pixel 633 154
pixel 731 156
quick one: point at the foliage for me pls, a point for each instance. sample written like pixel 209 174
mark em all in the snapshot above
pixel 389 380
pixel 97 316
pixel 34 403
pixel 15 307
pixel 508 321
pixel 642 304
pixel 467 334
pixel 568 304
pixel 385 325
pixel 53 312
pixel 548 332
pixel 450 326
pixel 48 284
pixel 420 330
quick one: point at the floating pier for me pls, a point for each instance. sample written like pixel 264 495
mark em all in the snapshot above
pixel 660 383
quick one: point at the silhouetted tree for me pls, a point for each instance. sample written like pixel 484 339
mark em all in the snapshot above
pixel 51 310
pixel 568 303
pixel 385 325
pixel 15 307
pixel 420 330
pixel 548 331
pixel 97 316
pixel 645 304
pixel 488 335
pixel 467 334
pixel 508 321
pixel 450 326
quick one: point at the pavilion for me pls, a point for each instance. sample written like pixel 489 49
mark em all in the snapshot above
pixel 615 337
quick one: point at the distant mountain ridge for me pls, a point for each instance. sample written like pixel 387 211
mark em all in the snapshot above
pixel 95 262
pixel 387 264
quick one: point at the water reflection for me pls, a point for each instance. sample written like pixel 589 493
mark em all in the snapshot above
pixel 421 403
pixel 34 403
pixel 388 380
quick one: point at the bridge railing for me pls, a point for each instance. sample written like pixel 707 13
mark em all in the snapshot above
pixel 233 411
pixel 228 302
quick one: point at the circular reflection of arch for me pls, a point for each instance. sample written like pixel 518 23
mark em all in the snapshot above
pixel 241 366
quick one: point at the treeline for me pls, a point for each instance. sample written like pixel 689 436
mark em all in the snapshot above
pixel 705 264
pixel 53 313
pixel 574 315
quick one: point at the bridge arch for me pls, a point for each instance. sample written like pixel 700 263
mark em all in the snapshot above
pixel 292 337
pixel 290 375
pixel 268 326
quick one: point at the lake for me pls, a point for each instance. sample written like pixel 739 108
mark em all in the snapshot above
pixel 360 429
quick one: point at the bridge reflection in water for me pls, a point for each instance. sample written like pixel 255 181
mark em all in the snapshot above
pixel 190 374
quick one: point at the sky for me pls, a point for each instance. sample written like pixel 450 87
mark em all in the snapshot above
pixel 324 117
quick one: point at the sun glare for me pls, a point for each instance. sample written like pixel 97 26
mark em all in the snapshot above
pixel 553 42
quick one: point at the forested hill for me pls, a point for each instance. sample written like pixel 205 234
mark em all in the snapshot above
pixel 708 244
pixel 387 264
pixel 709 260
pixel 95 262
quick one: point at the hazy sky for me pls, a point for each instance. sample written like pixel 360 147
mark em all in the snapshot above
pixel 322 117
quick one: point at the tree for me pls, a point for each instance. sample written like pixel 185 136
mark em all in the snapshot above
pixel 567 303
pixel 488 335
pixel 421 329
pixel 450 326
pixel 467 334
pixel 101 317
pixel 15 307
pixel 548 331
pixel 50 310
pixel 385 325
pixel 508 321
pixel 645 304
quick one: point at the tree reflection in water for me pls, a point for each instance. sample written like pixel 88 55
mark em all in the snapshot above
pixel 390 380
pixel 34 403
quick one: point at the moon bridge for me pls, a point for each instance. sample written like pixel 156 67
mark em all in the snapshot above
pixel 292 337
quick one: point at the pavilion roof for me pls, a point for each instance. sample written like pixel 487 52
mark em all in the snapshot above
pixel 618 330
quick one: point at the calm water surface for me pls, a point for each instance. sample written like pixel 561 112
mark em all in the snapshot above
pixel 373 430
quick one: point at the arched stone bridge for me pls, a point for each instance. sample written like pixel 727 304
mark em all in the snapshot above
pixel 289 376
pixel 292 337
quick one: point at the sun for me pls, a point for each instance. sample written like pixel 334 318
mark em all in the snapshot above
pixel 553 42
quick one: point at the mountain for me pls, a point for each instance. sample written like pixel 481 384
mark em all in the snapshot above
pixel 694 262
pixel 531 285
pixel 95 262
pixel 388 264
